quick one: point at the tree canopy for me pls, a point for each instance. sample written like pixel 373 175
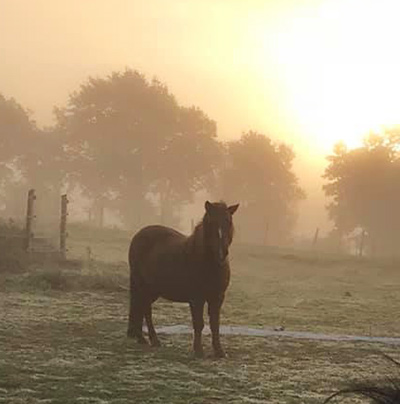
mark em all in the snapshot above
pixel 259 174
pixel 16 129
pixel 364 187
pixel 133 147
pixel 29 158
pixel 17 136
pixel 125 143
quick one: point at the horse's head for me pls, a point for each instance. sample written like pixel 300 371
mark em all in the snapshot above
pixel 218 228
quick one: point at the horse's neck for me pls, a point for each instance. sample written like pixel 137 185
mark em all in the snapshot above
pixel 199 250
pixel 195 245
pixel 196 242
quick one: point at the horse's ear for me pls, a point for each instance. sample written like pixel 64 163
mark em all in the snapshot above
pixel 232 209
pixel 208 206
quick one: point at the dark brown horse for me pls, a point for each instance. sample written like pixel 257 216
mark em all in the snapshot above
pixel 195 269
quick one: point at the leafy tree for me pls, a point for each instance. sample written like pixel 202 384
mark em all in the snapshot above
pixel 29 158
pixel 16 128
pixel 259 174
pixel 107 128
pixel 187 162
pixel 364 187
pixel 17 135
pixel 133 148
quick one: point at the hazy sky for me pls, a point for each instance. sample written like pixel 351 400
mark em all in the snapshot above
pixel 308 72
pixel 216 54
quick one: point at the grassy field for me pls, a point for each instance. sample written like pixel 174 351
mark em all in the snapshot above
pixel 62 330
pixel 303 291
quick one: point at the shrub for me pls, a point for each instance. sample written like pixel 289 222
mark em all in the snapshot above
pixel 48 279
pixel 98 277
pixel 13 258
pixel 381 391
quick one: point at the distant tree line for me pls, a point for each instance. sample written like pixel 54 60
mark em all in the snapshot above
pixel 126 144
pixel 364 187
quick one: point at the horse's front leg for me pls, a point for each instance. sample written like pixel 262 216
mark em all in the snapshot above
pixel 197 310
pixel 214 309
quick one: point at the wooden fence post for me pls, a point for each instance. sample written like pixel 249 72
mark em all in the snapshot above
pixel 362 241
pixel 315 240
pixel 63 227
pixel 30 215
pixel 101 214
pixel 266 234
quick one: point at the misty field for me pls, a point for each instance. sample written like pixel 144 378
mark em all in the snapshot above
pixel 62 333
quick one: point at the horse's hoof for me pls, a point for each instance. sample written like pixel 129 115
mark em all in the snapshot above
pixel 220 354
pixel 142 341
pixel 199 354
pixel 155 343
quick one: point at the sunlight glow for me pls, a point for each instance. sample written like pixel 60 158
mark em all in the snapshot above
pixel 340 68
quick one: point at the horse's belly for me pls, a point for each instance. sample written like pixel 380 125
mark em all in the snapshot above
pixel 182 289
pixel 173 282
pixel 165 272
pixel 180 298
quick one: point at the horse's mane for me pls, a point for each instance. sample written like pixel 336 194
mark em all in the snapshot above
pixel 195 242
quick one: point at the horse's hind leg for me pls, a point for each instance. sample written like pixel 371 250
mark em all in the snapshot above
pixel 131 320
pixel 150 327
pixel 136 315
pixel 138 323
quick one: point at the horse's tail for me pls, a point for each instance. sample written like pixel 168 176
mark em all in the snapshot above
pixel 132 264
pixel 134 259
pixel 132 275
